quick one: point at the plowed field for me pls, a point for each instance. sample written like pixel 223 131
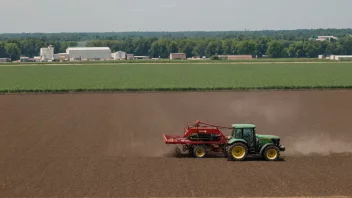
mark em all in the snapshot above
pixel 110 144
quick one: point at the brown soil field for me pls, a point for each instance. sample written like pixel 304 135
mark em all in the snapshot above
pixel 110 144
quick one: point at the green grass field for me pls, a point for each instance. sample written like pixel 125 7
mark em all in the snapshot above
pixel 162 77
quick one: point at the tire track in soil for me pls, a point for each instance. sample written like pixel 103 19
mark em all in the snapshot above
pixel 111 144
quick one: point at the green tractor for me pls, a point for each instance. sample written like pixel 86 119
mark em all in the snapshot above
pixel 201 138
pixel 244 141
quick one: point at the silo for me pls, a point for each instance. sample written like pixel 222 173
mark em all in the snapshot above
pixel 119 55
pixel 47 53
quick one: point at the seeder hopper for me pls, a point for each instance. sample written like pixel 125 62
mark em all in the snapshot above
pixel 200 138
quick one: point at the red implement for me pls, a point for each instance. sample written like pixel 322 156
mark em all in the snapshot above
pixel 199 133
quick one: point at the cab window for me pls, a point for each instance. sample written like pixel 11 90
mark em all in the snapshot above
pixel 238 133
pixel 247 133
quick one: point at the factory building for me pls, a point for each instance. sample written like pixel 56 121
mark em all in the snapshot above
pixel 89 53
pixel 47 53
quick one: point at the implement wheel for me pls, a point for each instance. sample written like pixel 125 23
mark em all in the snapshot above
pixel 271 153
pixel 237 152
pixel 199 151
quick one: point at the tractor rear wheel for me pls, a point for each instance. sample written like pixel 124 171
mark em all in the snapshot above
pixel 237 152
pixel 199 151
pixel 271 153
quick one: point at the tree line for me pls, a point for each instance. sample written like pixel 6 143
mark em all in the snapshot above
pixel 290 35
pixel 209 47
pixel 284 45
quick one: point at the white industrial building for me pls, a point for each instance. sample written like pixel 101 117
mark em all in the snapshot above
pixel 89 53
pixel 119 55
pixel 340 57
pixel 47 53
pixel 324 38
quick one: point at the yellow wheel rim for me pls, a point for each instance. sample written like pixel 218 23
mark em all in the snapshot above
pixel 271 154
pixel 200 152
pixel 238 152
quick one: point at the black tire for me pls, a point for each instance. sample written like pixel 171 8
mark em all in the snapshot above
pixel 226 155
pixel 225 151
pixel 240 154
pixel 199 151
pixel 190 152
pixel 271 153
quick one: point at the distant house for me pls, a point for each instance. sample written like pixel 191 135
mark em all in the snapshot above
pixel 178 56
pixel 4 60
pixel 129 56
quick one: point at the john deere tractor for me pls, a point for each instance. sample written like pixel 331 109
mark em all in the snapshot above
pixel 245 141
pixel 201 138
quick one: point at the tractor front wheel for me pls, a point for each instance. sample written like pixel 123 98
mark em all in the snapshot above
pixel 271 153
pixel 237 152
pixel 199 151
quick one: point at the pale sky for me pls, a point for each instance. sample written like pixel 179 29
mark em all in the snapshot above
pixel 171 15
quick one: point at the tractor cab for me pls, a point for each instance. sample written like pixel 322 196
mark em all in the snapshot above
pixel 245 141
pixel 247 133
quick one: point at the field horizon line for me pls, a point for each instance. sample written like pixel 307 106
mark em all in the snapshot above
pixel 173 90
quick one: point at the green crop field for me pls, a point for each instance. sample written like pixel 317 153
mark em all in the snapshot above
pixel 161 61
pixel 162 77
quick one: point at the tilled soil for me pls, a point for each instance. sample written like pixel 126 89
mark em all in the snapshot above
pixel 111 144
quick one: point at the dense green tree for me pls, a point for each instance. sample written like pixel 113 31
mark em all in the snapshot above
pixel 3 53
pixel 199 49
pixel 345 45
pixel 186 46
pixel 246 47
pixel 227 46
pixel 312 49
pixel 262 46
pixel 296 50
pixel 13 51
pixel 211 49
pixel 276 49
pixel 172 47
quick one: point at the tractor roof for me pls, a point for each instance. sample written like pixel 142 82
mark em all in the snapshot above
pixel 243 126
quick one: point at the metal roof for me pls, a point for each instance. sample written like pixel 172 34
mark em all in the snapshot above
pixel 243 126
pixel 88 48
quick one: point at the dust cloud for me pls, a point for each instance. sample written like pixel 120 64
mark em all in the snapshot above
pixel 316 144
pixel 268 111
pixel 134 148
